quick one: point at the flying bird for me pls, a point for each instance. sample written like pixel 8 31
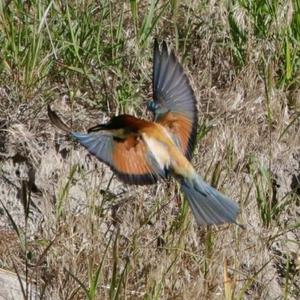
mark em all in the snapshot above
pixel 142 152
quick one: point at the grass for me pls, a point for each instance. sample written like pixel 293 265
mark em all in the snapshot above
pixel 75 230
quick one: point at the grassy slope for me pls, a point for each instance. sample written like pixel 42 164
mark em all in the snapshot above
pixel 85 234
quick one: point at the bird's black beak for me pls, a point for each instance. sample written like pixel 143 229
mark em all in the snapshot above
pixel 54 118
pixel 97 128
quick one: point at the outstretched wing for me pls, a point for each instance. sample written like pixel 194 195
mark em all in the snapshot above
pixel 128 157
pixel 175 97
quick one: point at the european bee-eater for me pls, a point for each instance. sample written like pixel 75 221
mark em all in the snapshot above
pixel 141 152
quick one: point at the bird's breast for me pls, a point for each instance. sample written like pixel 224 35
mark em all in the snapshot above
pixel 165 152
pixel 159 151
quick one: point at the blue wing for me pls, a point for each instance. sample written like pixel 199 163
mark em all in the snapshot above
pixel 175 102
pixel 127 157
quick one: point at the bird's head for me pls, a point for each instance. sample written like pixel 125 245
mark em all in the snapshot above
pixel 112 124
pixel 119 126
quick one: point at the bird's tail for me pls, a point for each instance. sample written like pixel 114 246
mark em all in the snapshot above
pixel 208 205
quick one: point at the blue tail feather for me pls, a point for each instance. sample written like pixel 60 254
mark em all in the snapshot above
pixel 208 205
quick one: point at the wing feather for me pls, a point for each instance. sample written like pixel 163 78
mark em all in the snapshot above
pixel 180 128
pixel 174 95
pixel 128 158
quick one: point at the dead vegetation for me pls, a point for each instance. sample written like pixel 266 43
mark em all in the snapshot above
pixel 78 233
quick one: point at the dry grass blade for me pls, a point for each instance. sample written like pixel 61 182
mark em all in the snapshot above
pixel 228 283
pixel 16 228
pixel 92 60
